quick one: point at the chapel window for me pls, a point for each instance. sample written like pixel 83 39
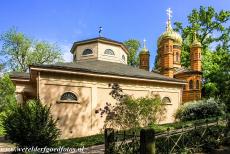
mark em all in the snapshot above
pixel 190 84
pixel 74 57
pixel 177 57
pixel 68 96
pixel 197 84
pixel 123 57
pixel 184 87
pixel 87 52
pixel 109 52
pixel 166 100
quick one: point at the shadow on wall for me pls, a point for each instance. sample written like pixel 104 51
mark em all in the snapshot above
pixel 72 118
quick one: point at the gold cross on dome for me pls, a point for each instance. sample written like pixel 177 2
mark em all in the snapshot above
pixel 169 13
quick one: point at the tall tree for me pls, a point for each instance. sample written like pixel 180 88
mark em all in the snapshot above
pixel 19 51
pixel 7 93
pixel 213 32
pixel 133 48
pixel 210 27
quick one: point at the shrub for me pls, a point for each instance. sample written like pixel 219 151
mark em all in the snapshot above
pixel 129 112
pixel 31 124
pixel 199 110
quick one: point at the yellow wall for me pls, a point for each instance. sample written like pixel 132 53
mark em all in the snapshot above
pixel 98 52
pixel 77 120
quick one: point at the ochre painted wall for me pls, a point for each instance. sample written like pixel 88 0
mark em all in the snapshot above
pixel 76 120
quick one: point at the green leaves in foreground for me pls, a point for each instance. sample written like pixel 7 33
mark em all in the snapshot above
pixel 31 124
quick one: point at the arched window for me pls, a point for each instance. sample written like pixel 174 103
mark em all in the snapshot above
pixel 87 52
pixel 184 87
pixel 123 57
pixel 197 84
pixel 74 57
pixel 166 100
pixel 68 96
pixel 109 52
pixel 177 57
pixel 190 84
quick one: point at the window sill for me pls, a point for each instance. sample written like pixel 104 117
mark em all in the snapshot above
pixel 167 104
pixel 87 55
pixel 68 102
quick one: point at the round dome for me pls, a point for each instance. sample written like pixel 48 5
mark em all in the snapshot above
pixel 195 42
pixel 170 33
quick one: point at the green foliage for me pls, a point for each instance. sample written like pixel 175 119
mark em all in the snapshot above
pixel 80 142
pixel 31 124
pixel 133 48
pixel 129 112
pixel 19 51
pixel 199 110
pixel 216 74
pixel 212 30
pixel 7 93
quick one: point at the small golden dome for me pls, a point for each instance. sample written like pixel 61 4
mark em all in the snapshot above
pixel 170 33
pixel 195 42
pixel 144 49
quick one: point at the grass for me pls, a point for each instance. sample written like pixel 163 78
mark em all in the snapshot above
pixel 99 138
pixel 177 125
pixel 82 141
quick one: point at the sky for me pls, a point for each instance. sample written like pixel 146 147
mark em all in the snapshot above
pixel 66 21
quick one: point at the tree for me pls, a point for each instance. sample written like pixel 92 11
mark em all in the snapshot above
pixel 7 93
pixel 31 125
pixel 210 28
pixel 133 48
pixel 19 51
pixel 212 31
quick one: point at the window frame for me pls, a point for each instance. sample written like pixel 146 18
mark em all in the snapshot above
pixel 68 101
pixel 168 103
pixel 177 57
pixel 113 53
pixel 191 85
pixel 123 58
pixel 85 55
pixel 197 84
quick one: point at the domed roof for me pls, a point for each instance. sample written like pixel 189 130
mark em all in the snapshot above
pixel 170 33
pixel 144 50
pixel 195 42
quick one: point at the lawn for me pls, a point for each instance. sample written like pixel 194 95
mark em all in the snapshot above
pixel 82 141
pixel 99 138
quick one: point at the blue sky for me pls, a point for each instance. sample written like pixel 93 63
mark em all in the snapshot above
pixel 66 21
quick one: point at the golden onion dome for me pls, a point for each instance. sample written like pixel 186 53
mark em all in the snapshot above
pixel 144 49
pixel 195 42
pixel 170 33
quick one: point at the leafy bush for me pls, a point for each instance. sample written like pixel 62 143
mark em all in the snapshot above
pixel 199 110
pixel 129 112
pixel 31 124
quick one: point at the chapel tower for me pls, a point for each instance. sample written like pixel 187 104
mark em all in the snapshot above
pixel 144 58
pixel 193 75
pixel 195 54
pixel 169 49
